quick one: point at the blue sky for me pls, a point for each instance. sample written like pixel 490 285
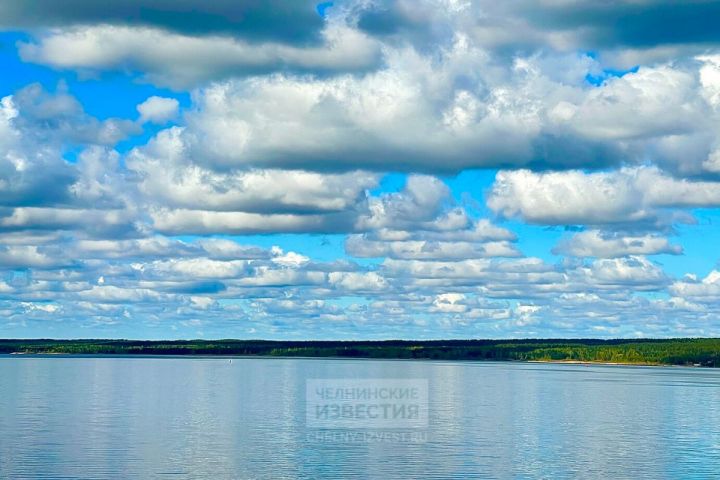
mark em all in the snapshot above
pixel 386 169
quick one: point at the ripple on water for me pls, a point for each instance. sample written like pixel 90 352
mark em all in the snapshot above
pixel 70 417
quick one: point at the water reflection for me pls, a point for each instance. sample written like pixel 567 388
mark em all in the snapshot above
pixel 95 417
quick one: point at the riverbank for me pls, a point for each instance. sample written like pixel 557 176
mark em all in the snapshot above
pixel 399 359
pixel 687 352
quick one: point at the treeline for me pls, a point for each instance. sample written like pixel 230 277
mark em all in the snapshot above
pixel 697 351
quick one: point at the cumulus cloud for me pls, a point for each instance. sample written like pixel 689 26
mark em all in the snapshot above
pixel 47 197
pixel 59 118
pixel 180 60
pixel 595 243
pixel 626 23
pixel 626 31
pixel 204 222
pixel 706 290
pixel 422 222
pixel 26 176
pixel 258 21
pixel 158 109
pixel 220 283
pixel 30 256
pixel 357 281
pixel 90 221
pixel 169 175
pixel 412 115
pixel 266 201
pixel 289 259
pixel 651 102
pixel 37 128
pixel 625 196
pixel 429 250
pixel 598 115
pixel 475 99
pixel 449 303
pixel 529 277
pixel 459 109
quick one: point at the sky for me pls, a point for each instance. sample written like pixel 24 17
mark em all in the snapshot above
pixel 359 169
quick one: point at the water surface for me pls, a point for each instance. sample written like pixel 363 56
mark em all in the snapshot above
pixel 169 417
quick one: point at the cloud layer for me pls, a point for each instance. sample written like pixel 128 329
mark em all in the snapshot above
pixel 316 181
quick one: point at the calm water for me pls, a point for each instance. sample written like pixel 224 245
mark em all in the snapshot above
pixel 119 417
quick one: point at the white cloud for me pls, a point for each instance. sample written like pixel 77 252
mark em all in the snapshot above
pixel 449 303
pixel 47 308
pixel 356 281
pixel 411 115
pixel 461 107
pixel 629 195
pixel 204 222
pixel 594 243
pixel 113 294
pixel 636 271
pixel 651 102
pixel 158 109
pixel 706 290
pixel 358 246
pixel 289 259
pixel 179 60
pixel 171 178
pixel 193 268
pixel 293 134
pixel 30 256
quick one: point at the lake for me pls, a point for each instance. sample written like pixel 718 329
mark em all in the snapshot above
pixel 178 417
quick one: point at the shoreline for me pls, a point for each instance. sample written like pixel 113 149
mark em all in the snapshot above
pixel 691 352
pixel 328 357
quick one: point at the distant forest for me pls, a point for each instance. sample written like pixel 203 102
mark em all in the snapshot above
pixel 693 351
